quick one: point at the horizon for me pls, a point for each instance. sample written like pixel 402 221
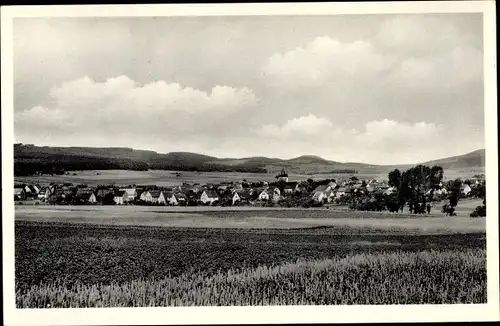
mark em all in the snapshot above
pixel 356 87
pixel 248 157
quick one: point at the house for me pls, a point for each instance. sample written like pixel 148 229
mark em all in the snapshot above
pixel 273 193
pixel 236 197
pixel 356 188
pixel 154 196
pixel 465 189
pixel 390 191
pixel 264 195
pixel 146 196
pixel 56 195
pixel 330 196
pixel 67 193
pixel 339 192
pixel 120 197
pixel 196 188
pixel 27 191
pixel 241 196
pixel 85 195
pixel 162 198
pixel 209 196
pixel 44 193
pixel 332 184
pixel 369 188
pixel 319 196
pixel 222 188
pixel 288 189
pixel 237 187
pixel 177 199
pixel 19 193
pixel 33 191
pixel 300 187
pixel 131 194
pixel 101 193
pixel 320 192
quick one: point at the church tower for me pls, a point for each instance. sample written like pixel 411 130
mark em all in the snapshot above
pixel 282 176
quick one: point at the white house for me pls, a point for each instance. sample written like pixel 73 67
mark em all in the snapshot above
pixel 19 193
pixel 120 198
pixel 44 193
pixel 131 193
pixel 155 195
pixel 390 190
pixel 270 193
pixel 236 197
pixel 92 198
pixel 330 196
pixel 340 192
pixel 209 196
pixel 163 199
pixel 146 196
pixel 465 189
pixel 288 189
pixel 332 184
pixel 177 199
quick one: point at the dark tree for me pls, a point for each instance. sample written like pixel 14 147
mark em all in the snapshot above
pixel 395 178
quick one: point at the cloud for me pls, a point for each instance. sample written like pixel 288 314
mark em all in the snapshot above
pixel 324 60
pixel 245 86
pixel 309 125
pixel 120 105
pixel 383 141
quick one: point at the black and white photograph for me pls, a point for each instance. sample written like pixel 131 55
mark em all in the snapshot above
pixel 180 156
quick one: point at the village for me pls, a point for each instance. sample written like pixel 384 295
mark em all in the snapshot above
pixel 282 193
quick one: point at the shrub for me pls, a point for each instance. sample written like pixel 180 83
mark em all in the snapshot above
pixel 480 211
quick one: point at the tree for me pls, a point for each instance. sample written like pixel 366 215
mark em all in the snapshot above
pixel 435 178
pixel 413 183
pixel 395 178
pixel 454 191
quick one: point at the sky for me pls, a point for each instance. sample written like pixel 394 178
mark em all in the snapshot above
pixel 380 89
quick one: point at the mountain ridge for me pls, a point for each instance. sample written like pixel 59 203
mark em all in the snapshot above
pixel 79 157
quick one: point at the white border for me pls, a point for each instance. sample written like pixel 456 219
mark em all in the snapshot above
pixel 245 315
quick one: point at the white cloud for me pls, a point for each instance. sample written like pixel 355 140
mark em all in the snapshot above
pixel 380 141
pixel 121 105
pixel 324 60
pixel 324 88
pixel 309 125
pixel 362 65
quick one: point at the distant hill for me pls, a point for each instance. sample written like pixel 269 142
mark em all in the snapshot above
pixel 469 160
pixel 28 159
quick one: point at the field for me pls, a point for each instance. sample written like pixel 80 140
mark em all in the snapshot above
pixel 168 178
pixel 92 256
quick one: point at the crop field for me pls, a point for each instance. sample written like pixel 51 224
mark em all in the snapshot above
pixel 89 265
pixel 252 218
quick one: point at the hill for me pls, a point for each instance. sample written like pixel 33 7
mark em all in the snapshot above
pixel 30 159
pixel 469 160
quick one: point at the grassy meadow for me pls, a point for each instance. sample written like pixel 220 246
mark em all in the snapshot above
pixel 256 218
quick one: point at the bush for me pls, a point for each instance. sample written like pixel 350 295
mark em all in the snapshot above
pixel 480 211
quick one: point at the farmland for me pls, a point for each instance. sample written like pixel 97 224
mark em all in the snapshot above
pixel 254 218
pixel 92 256
pixel 77 261
pixel 168 178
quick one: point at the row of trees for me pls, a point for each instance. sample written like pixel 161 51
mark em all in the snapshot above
pixel 416 187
